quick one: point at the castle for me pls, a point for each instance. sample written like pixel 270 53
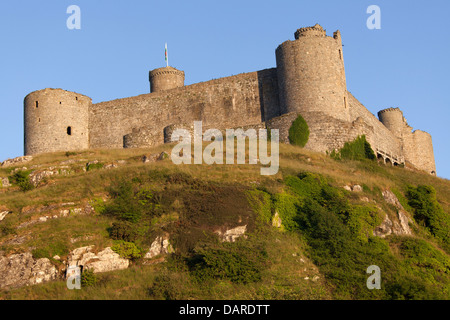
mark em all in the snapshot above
pixel 309 79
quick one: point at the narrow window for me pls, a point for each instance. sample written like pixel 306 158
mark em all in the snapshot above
pixel 37 104
pixel 345 102
pixel 69 131
pixel 340 54
pixel 60 102
pixel 39 119
pixel 76 98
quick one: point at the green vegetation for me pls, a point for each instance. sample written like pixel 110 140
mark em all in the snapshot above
pixel 88 278
pixel 358 149
pixel 299 132
pixel 22 179
pixel 322 250
pixel 94 166
pixel 127 250
pixel 429 213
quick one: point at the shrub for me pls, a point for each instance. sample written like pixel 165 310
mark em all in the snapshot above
pixel 261 203
pixel 123 230
pixel 358 149
pixel 429 213
pixel 94 166
pixel 127 250
pixel 88 278
pixel 22 179
pixel 228 261
pixel 299 132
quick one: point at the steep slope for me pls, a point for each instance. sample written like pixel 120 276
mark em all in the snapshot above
pixel 154 230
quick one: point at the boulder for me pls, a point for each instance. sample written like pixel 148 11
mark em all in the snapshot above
pixel 232 234
pixel 276 220
pixel 150 158
pixel 3 214
pixel 103 261
pixel 4 182
pixel 161 245
pixel 22 269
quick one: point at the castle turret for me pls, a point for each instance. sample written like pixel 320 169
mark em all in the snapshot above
pixel 311 74
pixel 417 145
pixel 165 78
pixel 393 119
pixel 56 120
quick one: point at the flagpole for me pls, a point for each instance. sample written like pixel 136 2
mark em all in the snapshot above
pixel 167 57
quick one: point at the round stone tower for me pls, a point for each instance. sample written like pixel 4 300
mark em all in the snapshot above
pixel 311 74
pixel 165 78
pixel 56 120
pixel 393 119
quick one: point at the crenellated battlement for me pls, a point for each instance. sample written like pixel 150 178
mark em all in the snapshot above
pixel 315 31
pixel 309 79
pixel 390 110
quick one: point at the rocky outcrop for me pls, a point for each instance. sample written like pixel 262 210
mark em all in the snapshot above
pixel 155 157
pixel 4 183
pixel 161 245
pixel 16 161
pixel 399 226
pixel 3 214
pixel 231 235
pixel 103 261
pixel 276 220
pixel 22 269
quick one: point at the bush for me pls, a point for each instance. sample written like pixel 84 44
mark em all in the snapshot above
pixel 123 230
pixel 22 179
pixel 261 203
pixel 228 261
pixel 88 278
pixel 429 213
pixel 299 132
pixel 127 250
pixel 358 149
pixel 130 203
pixel 94 166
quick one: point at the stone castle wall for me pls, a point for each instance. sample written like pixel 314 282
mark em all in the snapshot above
pixel 223 103
pixel 309 80
pixel 311 74
pixel 56 120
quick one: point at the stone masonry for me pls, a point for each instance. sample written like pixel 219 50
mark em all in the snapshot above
pixel 309 80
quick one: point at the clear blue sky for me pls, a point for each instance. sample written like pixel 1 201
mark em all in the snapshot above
pixel 405 64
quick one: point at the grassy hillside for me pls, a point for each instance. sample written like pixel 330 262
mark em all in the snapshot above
pixel 321 251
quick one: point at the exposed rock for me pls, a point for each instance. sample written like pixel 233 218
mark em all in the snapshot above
pixel 150 158
pixel 57 257
pixel 401 228
pixel 3 214
pixel 348 188
pixel 164 155
pixel 37 176
pixel 384 229
pixel 16 161
pixel 232 234
pixel 276 220
pixel 22 269
pixel 103 261
pixel 4 182
pixel 357 188
pixel 161 245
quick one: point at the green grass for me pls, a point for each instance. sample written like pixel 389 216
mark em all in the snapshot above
pixel 326 234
